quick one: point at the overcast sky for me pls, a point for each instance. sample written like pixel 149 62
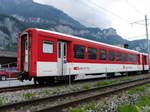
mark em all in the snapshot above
pixel 107 13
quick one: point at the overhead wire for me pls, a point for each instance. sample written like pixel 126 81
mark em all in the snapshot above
pixel 92 24
pixel 110 12
pixel 134 8
pixel 116 15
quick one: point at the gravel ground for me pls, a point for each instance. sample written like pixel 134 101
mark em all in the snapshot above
pixel 14 82
pixel 12 97
pixel 111 103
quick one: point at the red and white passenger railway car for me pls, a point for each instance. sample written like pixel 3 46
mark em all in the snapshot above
pixel 46 56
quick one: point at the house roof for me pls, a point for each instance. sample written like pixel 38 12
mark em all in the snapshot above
pixel 8 54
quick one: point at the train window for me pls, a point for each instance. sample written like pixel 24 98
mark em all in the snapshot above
pixel 26 45
pixel 118 56
pixel 125 57
pixel 102 54
pixel 64 50
pixel 92 53
pixel 79 51
pixel 47 47
pixel 111 56
pixel 59 50
pixel 130 58
pixel 135 58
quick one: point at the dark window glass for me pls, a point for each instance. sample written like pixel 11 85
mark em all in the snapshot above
pixel 92 53
pixel 125 57
pixel 102 54
pixel 130 58
pixel 79 51
pixel 26 45
pixel 135 59
pixel 64 50
pixel 111 56
pixel 59 50
pixel 118 56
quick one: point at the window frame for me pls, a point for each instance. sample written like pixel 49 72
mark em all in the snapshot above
pixel 125 59
pixel 100 57
pixel 119 57
pixel 135 58
pixel 110 51
pixel 91 55
pixel 51 42
pixel 83 51
pixel 130 56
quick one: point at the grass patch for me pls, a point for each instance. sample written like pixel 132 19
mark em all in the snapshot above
pixel 2 100
pixel 137 106
pixel 76 110
pixel 147 85
pixel 90 107
pixel 114 81
pixel 128 108
pixel 136 90
pixel 45 92
pixel 124 79
pixel 75 89
pixel 104 83
pixel 85 87
pixel 28 95
pixel 56 91
pixel 143 101
pixel 86 108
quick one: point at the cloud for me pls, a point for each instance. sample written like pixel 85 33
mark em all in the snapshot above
pixel 106 13
pixel 82 10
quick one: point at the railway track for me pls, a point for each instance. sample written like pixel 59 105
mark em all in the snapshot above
pixel 32 86
pixel 17 88
pixel 60 102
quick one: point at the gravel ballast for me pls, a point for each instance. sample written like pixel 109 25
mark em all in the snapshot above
pixel 23 95
pixel 111 103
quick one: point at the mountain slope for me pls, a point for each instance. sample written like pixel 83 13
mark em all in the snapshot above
pixel 17 15
pixel 138 45
pixel 28 11
pixel 9 28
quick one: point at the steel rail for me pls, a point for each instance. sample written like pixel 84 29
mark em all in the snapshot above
pixel 59 102
pixel 33 86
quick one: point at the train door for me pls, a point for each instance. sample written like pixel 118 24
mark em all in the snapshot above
pixel 144 62
pixel 26 64
pixel 62 55
pixel 139 59
pixel 25 42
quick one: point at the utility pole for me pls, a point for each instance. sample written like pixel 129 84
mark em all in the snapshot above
pixel 146 26
pixel 147 37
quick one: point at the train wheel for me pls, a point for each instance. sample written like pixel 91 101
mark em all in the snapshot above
pixel 71 78
pixel 110 75
pixel 40 81
pixel 35 80
pixel 146 72
pixel 3 78
pixel 123 73
pixel 51 80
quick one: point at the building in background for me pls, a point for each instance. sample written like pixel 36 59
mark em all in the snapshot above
pixel 7 57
